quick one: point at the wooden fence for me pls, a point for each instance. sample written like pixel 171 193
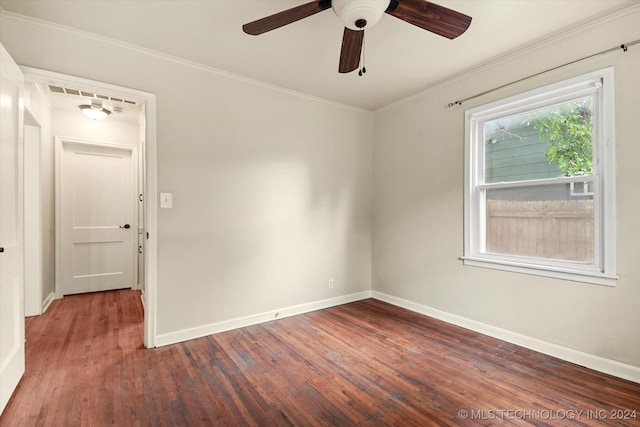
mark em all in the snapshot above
pixel 552 229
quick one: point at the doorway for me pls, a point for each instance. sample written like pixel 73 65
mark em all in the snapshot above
pixel 99 149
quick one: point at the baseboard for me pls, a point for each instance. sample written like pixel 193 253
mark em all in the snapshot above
pixel 601 364
pixel 227 325
pixel 47 301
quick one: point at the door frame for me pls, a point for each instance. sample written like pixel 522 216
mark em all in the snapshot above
pixel 59 147
pixel 32 215
pixel 150 185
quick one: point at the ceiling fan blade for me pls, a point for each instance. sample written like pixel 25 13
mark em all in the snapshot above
pixel 285 17
pixel 351 49
pixel 431 17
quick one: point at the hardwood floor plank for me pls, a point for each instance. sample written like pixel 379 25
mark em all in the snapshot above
pixel 365 363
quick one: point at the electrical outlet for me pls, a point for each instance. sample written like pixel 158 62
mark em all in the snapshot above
pixel 330 283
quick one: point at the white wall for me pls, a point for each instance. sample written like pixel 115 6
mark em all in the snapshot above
pixel 418 206
pixel 73 124
pixel 272 191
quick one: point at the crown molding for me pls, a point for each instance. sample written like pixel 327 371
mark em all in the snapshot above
pixel 171 58
pixel 523 50
pixel 558 36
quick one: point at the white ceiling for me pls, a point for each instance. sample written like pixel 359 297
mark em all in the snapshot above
pixel 401 59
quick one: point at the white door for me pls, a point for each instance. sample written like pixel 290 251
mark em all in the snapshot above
pixel 97 223
pixel 11 228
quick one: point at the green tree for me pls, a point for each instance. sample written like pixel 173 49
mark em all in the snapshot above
pixel 567 129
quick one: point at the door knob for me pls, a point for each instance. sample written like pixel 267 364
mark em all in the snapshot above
pixel 125 226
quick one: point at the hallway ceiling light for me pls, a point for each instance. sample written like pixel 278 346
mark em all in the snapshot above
pixel 94 111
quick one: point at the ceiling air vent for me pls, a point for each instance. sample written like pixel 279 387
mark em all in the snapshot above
pixel 77 92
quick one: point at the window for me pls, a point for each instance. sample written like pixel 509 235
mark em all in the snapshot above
pixel 540 181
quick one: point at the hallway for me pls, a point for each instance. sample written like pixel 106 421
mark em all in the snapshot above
pixel 76 356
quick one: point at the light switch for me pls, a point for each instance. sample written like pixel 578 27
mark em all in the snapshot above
pixel 166 200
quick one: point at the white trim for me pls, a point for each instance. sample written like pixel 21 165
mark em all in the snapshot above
pixel 33 230
pixel 47 301
pixel 254 319
pixel 591 361
pixel 535 182
pixel 607 157
pixel 175 59
pixel 593 277
pixel 465 74
pixel 150 225
pixel 602 271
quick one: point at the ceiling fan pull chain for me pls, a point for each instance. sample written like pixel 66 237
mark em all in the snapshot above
pixel 364 68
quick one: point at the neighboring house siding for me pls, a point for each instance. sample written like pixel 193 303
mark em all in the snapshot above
pixel 515 153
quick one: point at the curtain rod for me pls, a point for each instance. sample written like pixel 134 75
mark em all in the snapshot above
pixel 624 48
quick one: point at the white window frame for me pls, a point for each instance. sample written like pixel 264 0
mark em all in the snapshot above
pixel 603 270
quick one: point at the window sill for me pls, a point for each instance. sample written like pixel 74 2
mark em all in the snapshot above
pixel 595 277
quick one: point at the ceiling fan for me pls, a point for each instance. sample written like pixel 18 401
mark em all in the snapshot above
pixel 356 15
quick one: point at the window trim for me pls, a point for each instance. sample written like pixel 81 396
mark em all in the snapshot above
pixel 603 271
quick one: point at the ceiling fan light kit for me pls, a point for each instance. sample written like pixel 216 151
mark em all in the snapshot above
pixel 356 15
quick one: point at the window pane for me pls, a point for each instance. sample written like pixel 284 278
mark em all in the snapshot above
pixel 542 222
pixel 547 143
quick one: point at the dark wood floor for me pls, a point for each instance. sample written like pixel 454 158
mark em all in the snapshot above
pixel 365 363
